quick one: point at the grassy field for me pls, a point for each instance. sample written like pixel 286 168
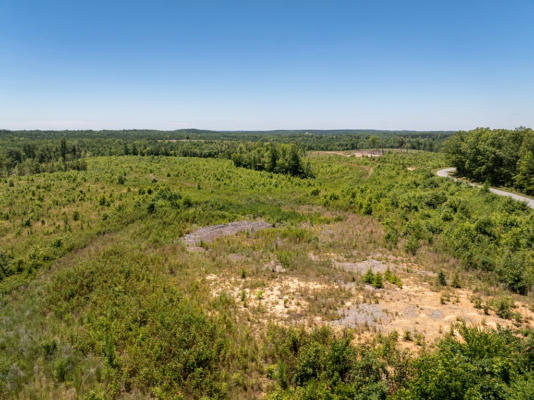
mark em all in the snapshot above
pixel 102 298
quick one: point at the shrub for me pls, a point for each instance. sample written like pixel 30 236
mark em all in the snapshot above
pixel 369 277
pixel 503 307
pixel 456 281
pixel 441 279
pixel 378 281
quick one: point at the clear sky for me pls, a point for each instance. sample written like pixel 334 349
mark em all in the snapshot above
pixel 266 64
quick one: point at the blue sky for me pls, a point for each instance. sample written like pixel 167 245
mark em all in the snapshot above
pixel 266 64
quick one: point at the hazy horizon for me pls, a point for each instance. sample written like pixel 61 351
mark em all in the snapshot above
pixel 237 130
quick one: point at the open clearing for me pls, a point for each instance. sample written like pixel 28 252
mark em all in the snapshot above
pixel 420 310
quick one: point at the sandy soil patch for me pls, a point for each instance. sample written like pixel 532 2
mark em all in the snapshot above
pixel 419 308
pixel 282 299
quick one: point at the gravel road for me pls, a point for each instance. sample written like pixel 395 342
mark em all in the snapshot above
pixel 446 173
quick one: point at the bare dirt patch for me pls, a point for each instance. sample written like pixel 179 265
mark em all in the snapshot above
pixel 363 152
pixel 283 299
pixel 325 287
pixel 420 309
pixel 354 153
pixel 210 233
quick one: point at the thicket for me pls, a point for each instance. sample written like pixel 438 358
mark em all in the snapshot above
pixel 499 156
pixel 473 364
pixel 36 157
pixel 32 157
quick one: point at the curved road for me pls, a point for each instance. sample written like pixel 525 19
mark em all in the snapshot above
pixel 445 173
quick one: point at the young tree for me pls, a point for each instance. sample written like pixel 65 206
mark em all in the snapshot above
pixel 63 149
pixel 272 158
pixel 294 164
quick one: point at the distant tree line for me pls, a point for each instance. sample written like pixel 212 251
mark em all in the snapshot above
pixel 28 152
pixel 343 139
pixel 499 156
pixel 31 157
pixel 272 157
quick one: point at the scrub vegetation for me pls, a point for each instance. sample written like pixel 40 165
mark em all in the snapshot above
pixel 370 278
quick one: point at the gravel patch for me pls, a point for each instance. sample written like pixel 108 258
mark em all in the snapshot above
pixel 363 314
pixel 212 232
pixel 436 315
pixel 410 311
pixel 362 266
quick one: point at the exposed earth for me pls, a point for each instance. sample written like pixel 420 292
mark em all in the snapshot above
pixel 420 310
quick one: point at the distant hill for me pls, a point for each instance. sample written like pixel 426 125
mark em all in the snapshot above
pixel 211 134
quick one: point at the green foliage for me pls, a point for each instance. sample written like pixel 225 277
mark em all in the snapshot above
pixel 500 157
pixel 99 298
pixel 271 157
pixel 369 277
pixel 378 282
pixel 456 281
pixel 482 364
pixel 392 278
pixel 441 278
pixel 32 157
pixel 319 365
pixel 503 307
pixel 485 364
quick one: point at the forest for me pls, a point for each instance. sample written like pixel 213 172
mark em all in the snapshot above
pixel 499 156
pixel 365 276
pixel 27 152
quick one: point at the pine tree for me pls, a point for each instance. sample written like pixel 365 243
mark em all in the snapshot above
pixel 272 158
pixel 378 282
pixel 63 149
pixel 294 164
pixel 369 277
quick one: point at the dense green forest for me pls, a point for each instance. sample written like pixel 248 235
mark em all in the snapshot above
pixel 31 158
pixel 342 139
pixel 24 152
pixel 501 157
pixel 101 297
pixel 34 157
